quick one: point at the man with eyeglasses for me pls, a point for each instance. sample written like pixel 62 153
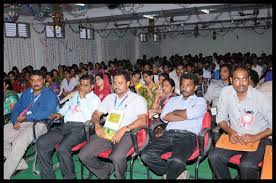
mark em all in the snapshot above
pixel 69 134
pixel 245 114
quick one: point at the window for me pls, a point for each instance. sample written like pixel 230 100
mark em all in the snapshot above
pixel 54 31
pixel 86 33
pixel 17 30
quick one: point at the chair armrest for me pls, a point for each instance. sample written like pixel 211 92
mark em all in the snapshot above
pixel 203 151
pixel 49 123
pixel 87 126
pixel 134 133
pixel 217 131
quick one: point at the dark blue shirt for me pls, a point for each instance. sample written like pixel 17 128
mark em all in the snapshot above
pixel 45 105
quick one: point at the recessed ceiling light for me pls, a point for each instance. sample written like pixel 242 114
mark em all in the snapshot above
pixel 80 4
pixel 205 11
pixel 149 16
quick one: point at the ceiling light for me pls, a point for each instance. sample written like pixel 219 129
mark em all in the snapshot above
pixel 205 11
pixel 149 16
pixel 80 4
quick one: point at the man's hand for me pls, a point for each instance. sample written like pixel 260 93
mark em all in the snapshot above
pixel 99 130
pixel 247 138
pixel 234 137
pixel 119 134
pixel 55 116
pixel 20 119
pixel 16 126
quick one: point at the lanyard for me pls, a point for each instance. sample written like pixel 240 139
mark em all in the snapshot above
pixel 120 103
pixel 24 112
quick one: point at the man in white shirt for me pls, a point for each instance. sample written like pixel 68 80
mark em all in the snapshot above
pixel 257 67
pixel 76 111
pixel 134 109
pixel 68 84
pixel 180 69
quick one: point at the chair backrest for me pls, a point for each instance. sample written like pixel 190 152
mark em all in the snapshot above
pixel 206 123
pixel 142 135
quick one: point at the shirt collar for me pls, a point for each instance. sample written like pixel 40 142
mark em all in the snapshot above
pixel 128 92
pixel 189 98
pixel 32 91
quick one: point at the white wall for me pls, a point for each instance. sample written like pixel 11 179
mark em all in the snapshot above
pixel 247 41
pixel 38 50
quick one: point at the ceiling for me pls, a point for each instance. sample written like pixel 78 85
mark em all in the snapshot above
pixel 172 13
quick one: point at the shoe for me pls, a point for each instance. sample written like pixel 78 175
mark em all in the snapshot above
pixel 184 175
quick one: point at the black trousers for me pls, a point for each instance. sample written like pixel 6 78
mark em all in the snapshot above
pixel 89 156
pixel 219 158
pixel 66 136
pixel 181 145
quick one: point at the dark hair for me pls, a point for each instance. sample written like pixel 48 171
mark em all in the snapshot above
pixel 228 66
pixel 124 74
pixel 148 72
pixel 14 68
pixel 100 75
pixel 8 82
pixel 54 70
pixel 171 81
pixel 136 72
pixel 88 77
pixel 37 73
pixel 43 68
pixel 165 75
pixel 190 76
pixel 254 76
pixel 11 73
pixel 50 74
pixel 242 67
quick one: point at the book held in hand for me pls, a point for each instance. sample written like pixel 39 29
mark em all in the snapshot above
pixel 112 123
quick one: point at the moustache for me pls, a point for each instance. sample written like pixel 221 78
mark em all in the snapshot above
pixel 36 85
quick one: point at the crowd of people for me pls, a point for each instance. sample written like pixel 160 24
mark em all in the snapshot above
pixel 177 90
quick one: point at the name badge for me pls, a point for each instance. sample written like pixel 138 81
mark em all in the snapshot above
pixel 29 112
pixel 247 120
pixel 214 111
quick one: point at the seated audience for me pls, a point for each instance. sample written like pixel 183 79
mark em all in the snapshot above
pixel 214 89
pixel 68 84
pixel 76 111
pixel 149 89
pixel 36 103
pixel 10 96
pixel 135 84
pixel 254 78
pixel 134 109
pixel 51 84
pixel 102 86
pixel 184 116
pixel 242 117
pixel 163 96
pixel 16 86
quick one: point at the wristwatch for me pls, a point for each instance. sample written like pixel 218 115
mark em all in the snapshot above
pixel 127 129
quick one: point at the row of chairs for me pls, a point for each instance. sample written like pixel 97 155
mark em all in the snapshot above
pixel 143 136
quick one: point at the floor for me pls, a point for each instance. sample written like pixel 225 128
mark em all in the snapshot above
pixel 139 170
